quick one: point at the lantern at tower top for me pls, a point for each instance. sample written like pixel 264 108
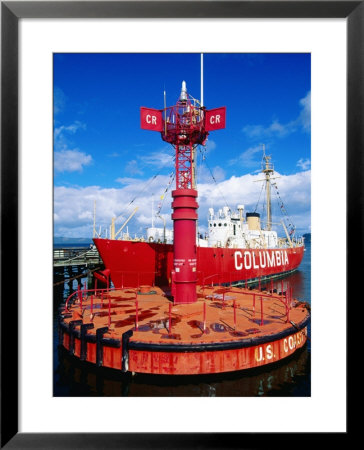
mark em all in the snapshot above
pixel 186 122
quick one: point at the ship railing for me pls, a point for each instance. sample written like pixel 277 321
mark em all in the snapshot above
pixel 128 237
pixel 284 243
pixel 124 274
pixel 220 292
pixel 210 277
pixel 82 296
pixel 217 293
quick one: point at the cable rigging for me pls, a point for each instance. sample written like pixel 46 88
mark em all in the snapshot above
pixel 212 175
pixel 256 206
pixel 163 196
pixel 142 190
pixel 288 220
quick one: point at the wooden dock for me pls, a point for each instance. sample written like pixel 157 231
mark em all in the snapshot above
pixel 78 256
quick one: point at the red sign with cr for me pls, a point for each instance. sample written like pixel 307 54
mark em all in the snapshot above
pixel 151 119
pixel 215 119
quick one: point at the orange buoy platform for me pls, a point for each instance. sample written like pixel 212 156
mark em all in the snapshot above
pixel 141 330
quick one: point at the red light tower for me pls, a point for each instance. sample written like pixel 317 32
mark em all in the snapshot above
pixel 184 125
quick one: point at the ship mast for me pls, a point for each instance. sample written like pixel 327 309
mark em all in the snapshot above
pixel 268 170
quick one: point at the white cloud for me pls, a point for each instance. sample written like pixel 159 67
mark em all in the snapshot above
pixel 150 161
pixel 279 130
pixel 127 180
pixel 304 164
pixel 133 168
pixel 65 158
pixel 218 173
pixel 59 100
pixel 275 129
pixel 73 207
pixel 248 158
pixel 210 145
pixel 60 133
pixel 158 159
pixel 305 115
pixel 71 161
pixel 204 174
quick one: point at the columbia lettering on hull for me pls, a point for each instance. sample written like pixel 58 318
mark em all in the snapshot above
pixel 132 263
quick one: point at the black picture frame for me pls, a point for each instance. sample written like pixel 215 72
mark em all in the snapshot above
pixel 11 13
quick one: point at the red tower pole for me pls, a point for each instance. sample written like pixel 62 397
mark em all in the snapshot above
pixel 184 236
pixel 184 203
pixel 184 125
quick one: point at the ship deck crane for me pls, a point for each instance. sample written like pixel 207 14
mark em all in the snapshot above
pixel 113 234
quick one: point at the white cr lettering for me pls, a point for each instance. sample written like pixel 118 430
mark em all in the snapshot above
pixel 151 119
pixel 215 119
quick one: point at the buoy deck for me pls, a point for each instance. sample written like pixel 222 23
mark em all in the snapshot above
pixel 226 329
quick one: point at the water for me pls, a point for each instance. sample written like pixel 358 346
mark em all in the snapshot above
pixel 289 378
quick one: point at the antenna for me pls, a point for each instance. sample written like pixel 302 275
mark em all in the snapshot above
pixel 201 79
pixel 263 146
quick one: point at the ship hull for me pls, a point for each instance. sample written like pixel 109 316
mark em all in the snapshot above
pixel 135 263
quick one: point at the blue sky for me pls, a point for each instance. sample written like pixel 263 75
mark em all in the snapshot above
pixel 100 152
